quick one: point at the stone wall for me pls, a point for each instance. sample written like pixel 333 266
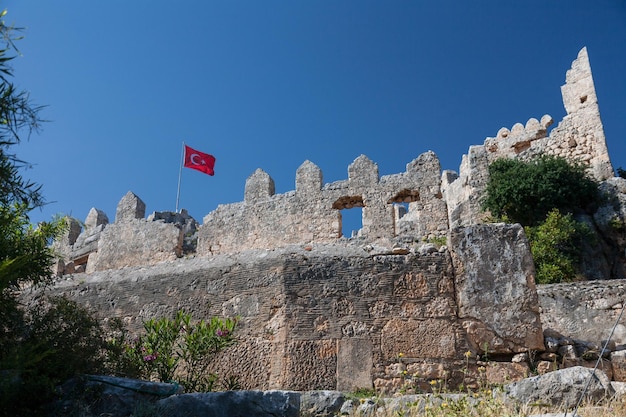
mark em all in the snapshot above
pixel 312 213
pixel 585 310
pixel 130 240
pixel 416 205
pixel 319 311
pixel 340 317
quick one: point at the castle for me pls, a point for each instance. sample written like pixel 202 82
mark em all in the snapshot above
pixel 320 311
pixel 436 201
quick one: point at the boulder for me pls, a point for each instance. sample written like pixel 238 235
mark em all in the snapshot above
pixel 321 403
pixel 562 388
pixel 97 395
pixel 233 404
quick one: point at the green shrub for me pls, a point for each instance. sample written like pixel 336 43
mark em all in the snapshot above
pixel 175 349
pixel 525 192
pixel 555 245
pixel 51 342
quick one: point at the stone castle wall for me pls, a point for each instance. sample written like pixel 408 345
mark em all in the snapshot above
pixel 329 317
pixel 319 311
pixel 311 213
pixel 416 205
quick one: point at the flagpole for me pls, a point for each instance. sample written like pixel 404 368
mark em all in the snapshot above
pixel 180 174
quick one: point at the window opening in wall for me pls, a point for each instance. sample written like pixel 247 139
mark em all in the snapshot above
pixel 400 209
pixel 350 215
pixel 405 196
pixel 400 203
pixel 351 221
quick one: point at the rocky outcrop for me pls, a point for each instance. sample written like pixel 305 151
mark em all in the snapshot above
pixel 98 395
pixel 92 395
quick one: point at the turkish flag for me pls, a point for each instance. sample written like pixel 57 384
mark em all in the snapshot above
pixel 200 161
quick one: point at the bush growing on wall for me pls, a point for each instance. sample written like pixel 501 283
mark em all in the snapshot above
pixel 525 192
pixel 174 349
pixel 542 195
pixel 555 245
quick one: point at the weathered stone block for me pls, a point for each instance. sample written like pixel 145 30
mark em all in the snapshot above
pixel 354 364
pixel 433 338
pixel 259 186
pixel 496 294
pixel 543 367
pixel 506 372
pixel 137 243
pixel 311 364
pixel 96 218
pixel 563 388
pixel 308 180
pixel 362 173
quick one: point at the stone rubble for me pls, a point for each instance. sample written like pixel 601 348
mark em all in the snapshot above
pixel 99 395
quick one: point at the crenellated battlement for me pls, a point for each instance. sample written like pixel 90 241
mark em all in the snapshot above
pixel 312 213
pixel 401 209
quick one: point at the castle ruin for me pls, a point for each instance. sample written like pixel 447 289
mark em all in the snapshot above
pixel 321 311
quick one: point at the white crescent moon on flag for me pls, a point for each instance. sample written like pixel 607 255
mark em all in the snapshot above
pixel 193 160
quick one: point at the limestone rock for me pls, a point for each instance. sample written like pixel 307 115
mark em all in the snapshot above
pixel 107 395
pixel 321 403
pixel 561 388
pixel 233 404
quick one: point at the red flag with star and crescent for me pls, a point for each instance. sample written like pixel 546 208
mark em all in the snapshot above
pixel 200 161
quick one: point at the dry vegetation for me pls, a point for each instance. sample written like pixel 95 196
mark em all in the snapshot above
pixel 483 404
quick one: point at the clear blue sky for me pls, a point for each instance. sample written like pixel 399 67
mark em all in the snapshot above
pixel 269 84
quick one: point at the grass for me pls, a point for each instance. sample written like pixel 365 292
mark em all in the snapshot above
pixel 480 404
pixel 484 400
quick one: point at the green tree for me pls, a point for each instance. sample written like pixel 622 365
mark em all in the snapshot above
pixel 19 117
pixel 24 253
pixel 543 195
pixel 44 344
pixel 525 192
